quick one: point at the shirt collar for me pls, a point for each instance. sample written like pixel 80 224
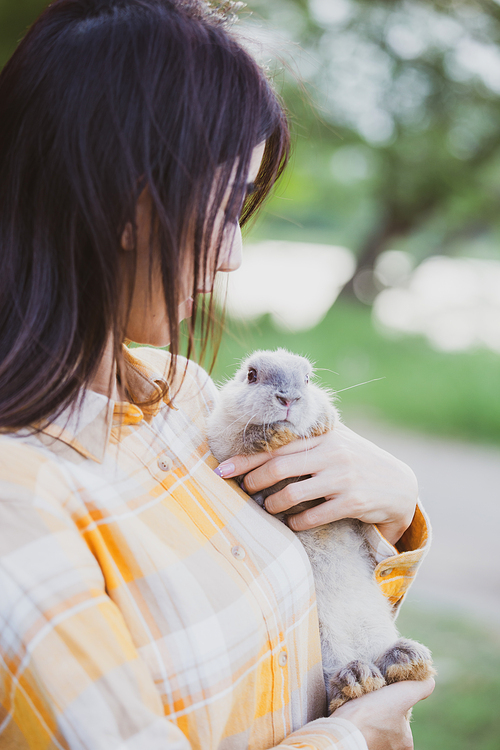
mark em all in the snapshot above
pixel 86 425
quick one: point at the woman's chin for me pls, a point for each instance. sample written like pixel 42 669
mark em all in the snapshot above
pixel 157 341
pixel 151 336
pixel 185 309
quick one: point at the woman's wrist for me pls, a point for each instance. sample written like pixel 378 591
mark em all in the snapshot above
pixel 393 531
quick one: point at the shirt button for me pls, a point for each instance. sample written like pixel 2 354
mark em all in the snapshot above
pixel 165 463
pixel 238 552
pixel 282 658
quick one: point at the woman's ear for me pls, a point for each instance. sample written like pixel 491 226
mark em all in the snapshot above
pixel 131 240
pixel 127 240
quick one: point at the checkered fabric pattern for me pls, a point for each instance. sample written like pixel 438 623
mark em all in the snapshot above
pixel 147 603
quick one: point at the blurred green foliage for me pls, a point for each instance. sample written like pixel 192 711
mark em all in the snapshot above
pixel 15 18
pixel 396 106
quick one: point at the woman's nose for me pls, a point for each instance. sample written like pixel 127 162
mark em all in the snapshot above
pixel 231 255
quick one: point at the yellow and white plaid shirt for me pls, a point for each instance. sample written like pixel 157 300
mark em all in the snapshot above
pixel 146 603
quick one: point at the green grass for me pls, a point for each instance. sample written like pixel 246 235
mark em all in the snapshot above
pixel 455 395
pixel 463 712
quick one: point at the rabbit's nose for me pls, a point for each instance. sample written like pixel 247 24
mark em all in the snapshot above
pixel 286 401
pixel 283 401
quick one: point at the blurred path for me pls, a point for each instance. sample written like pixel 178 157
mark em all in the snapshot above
pixel 460 490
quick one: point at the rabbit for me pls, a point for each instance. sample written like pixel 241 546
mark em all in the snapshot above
pixel 270 402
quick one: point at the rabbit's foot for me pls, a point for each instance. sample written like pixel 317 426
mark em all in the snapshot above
pixel 406 660
pixel 353 680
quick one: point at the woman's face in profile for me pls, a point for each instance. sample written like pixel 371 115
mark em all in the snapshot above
pixel 148 322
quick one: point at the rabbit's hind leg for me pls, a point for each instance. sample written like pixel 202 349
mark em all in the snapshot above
pixel 352 681
pixel 406 660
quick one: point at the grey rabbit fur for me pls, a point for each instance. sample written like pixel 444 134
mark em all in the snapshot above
pixel 270 402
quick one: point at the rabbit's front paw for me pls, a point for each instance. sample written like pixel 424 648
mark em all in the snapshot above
pixel 406 660
pixel 353 680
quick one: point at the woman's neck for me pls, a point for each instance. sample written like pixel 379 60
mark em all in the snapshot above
pixel 105 375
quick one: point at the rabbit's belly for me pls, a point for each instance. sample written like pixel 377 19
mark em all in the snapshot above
pixel 355 618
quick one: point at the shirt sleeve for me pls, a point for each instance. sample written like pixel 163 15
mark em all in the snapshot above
pixel 396 566
pixel 70 675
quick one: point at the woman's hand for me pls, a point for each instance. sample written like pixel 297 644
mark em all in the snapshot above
pixel 381 716
pixel 356 478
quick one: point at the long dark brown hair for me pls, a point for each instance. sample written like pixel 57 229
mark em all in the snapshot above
pixel 100 99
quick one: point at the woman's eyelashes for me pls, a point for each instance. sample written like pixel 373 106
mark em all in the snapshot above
pixel 233 211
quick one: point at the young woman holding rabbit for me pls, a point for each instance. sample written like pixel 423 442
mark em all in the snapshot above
pixel 144 601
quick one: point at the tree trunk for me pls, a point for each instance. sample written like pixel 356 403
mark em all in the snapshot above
pixel 376 243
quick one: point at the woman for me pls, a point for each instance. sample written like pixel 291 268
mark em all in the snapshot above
pixel 144 602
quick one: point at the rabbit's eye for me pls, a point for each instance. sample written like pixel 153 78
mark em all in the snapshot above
pixel 252 375
pixel 307 379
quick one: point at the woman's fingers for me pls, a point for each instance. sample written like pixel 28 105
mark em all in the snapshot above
pixel 330 510
pixel 381 716
pixel 279 468
pixel 401 696
pixel 419 691
pixel 356 478
pixel 237 465
pixel 298 459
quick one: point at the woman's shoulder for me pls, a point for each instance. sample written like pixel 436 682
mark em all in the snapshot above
pixel 29 472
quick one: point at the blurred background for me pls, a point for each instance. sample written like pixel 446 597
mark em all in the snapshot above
pixel 378 257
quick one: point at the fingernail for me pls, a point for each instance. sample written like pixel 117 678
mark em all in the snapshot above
pixel 224 470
